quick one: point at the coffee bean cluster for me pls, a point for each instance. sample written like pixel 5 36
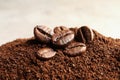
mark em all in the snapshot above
pixel 62 37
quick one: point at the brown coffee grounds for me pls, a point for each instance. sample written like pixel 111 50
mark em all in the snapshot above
pixel 101 61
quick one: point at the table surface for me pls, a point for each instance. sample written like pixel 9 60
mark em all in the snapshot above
pixel 18 17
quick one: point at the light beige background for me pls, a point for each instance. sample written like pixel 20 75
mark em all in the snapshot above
pixel 18 17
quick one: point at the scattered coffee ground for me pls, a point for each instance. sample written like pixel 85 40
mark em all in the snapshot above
pixel 18 61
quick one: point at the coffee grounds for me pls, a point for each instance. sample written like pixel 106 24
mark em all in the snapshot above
pixel 18 61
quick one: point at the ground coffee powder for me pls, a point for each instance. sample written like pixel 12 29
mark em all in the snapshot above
pixel 18 61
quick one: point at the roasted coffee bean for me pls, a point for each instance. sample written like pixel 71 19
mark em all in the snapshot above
pixel 75 48
pixel 63 37
pixel 85 34
pixel 43 33
pixel 59 29
pixel 46 53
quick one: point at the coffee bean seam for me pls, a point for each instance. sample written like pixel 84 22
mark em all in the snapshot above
pixel 45 32
pixel 62 34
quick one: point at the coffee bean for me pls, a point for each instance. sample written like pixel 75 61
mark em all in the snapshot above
pixel 85 34
pixel 59 29
pixel 75 48
pixel 46 53
pixel 63 38
pixel 43 33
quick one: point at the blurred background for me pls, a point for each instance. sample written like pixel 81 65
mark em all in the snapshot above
pixel 18 17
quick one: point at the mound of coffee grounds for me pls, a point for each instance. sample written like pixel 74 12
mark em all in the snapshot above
pixel 18 61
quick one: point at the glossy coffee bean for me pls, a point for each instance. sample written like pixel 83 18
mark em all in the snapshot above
pixel 59 29
pixel 75 48
pixel 43 33
pixel 46 53
pixel 85 34
pixel 62 38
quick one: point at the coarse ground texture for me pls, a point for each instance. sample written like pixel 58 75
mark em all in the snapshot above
pixel 18 61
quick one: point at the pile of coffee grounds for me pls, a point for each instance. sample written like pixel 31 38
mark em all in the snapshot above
pixel 18 61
